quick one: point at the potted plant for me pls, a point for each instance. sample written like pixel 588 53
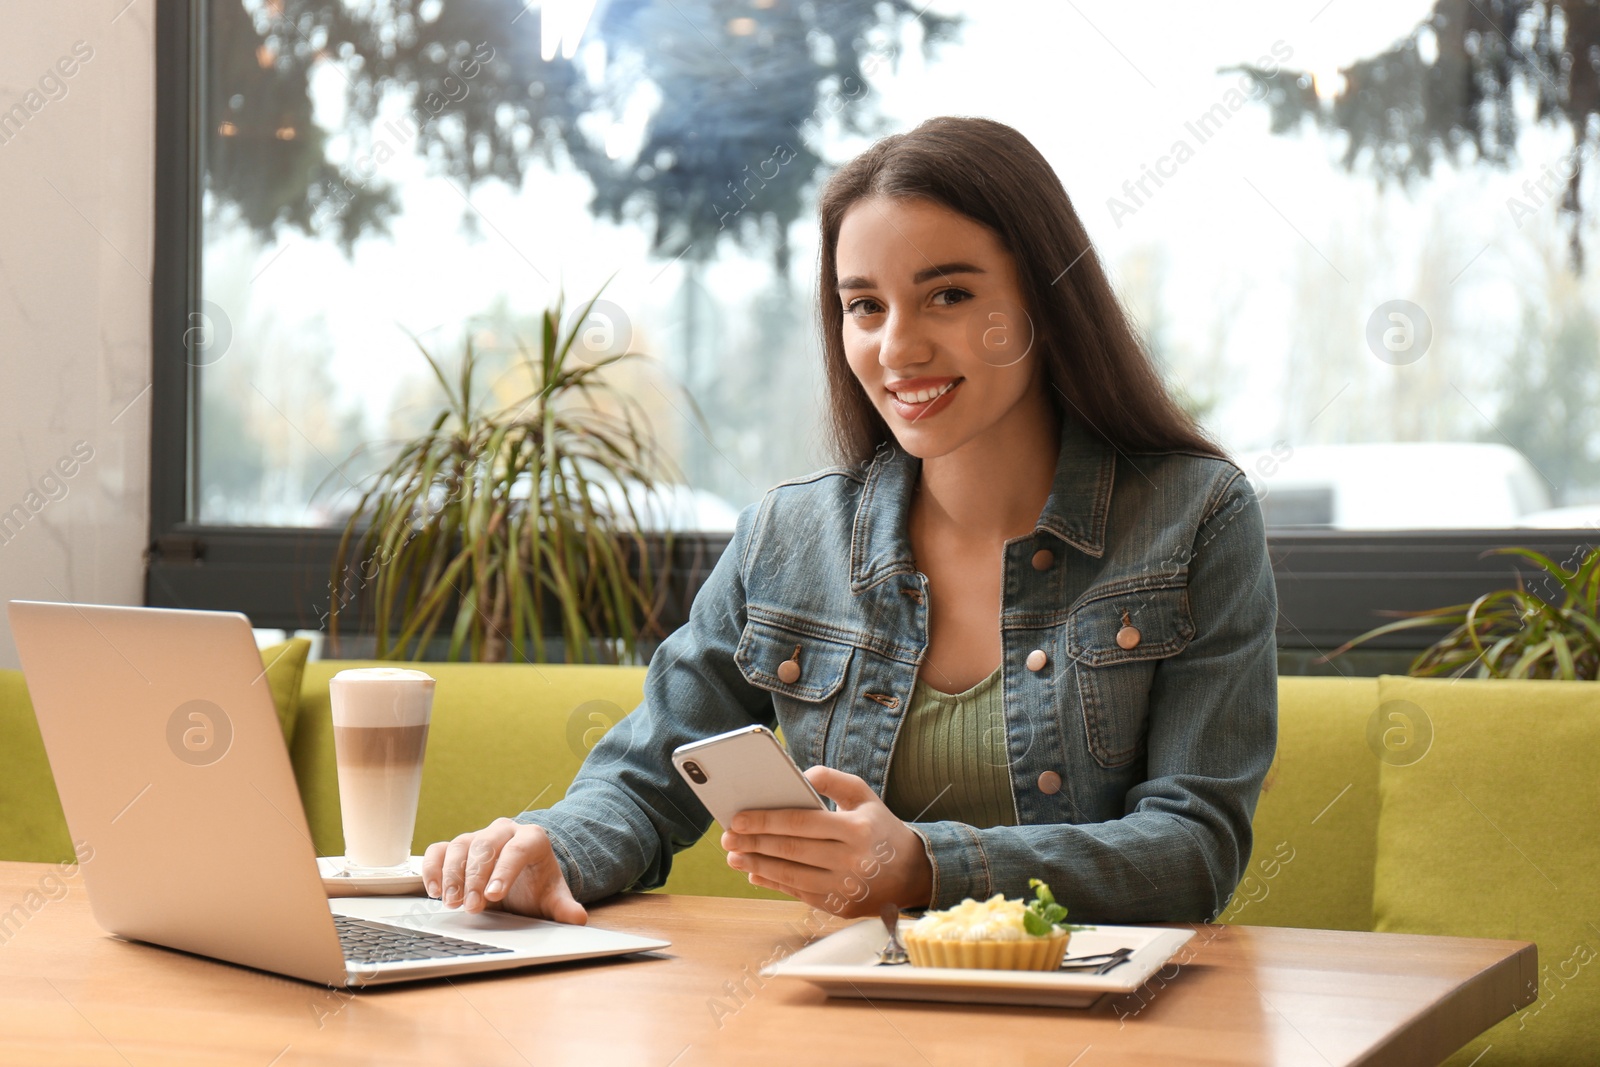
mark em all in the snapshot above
pixel 502 518
pixel 1512 633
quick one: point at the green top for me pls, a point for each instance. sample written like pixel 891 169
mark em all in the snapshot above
pixel 949 761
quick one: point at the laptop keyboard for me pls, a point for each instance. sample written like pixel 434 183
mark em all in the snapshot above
pixel 365 941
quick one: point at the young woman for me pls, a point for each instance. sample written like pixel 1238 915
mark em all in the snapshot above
pixel 1025 629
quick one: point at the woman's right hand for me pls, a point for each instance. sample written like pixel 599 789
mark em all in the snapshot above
pixel 506 864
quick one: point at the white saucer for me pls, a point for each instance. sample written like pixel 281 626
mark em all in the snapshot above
pixel 340 883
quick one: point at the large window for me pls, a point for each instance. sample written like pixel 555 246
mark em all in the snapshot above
pixel 1404 344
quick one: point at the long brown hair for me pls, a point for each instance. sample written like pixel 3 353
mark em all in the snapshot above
pixel 1098 369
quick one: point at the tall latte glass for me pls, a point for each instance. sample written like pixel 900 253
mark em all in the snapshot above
pixel 380 731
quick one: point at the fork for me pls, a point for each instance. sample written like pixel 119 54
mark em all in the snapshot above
pixel 1099 963
pixel 894 952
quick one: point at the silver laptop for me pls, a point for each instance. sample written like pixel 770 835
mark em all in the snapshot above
pixel 200 843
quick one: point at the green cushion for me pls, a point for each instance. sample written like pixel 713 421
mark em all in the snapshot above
pixel 1492 833
pixel 1312 861
pixel 504 738
pixel 286 664
pixel 33 828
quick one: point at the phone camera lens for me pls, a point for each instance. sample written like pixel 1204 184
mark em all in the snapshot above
pixel 696 775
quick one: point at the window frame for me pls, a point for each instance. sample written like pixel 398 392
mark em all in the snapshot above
pixel 1331 585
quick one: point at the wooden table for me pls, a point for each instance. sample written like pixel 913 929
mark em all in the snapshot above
pixel 70 994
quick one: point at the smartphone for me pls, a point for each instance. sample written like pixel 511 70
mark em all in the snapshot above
pixel 744 770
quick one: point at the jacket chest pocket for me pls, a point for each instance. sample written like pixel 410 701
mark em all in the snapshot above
pixel 1115 642
pixel 803 673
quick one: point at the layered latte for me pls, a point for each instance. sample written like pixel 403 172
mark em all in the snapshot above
pixel 380 732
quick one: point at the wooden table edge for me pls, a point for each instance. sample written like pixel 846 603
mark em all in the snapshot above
pixel 1511 984
pixel 1501 990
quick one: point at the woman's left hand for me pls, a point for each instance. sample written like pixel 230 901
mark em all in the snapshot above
pixel 847 862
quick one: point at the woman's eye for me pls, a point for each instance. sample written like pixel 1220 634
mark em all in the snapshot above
pixel 956 295
pixel 861 306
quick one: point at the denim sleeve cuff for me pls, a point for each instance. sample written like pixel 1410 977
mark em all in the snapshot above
pixel 960 868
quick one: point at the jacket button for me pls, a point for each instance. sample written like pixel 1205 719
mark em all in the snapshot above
pixel 1049 783
pixel 788 671
pixel 1036 660
pixel 1128 637
pixel 1042 559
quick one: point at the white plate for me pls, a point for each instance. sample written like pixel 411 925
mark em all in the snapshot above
pixel 844 965
pixel 338 882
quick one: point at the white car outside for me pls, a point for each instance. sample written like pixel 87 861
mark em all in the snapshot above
pixel 1399 486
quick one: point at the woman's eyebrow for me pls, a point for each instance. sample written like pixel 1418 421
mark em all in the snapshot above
pixel 857 281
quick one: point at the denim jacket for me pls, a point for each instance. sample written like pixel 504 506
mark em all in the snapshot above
pixel 1135 764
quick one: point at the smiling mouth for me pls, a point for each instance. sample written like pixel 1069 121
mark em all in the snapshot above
pixel 926 396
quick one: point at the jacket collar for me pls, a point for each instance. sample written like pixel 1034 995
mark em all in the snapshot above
pixel 1080 498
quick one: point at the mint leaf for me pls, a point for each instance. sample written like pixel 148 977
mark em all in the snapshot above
pixel 1043 915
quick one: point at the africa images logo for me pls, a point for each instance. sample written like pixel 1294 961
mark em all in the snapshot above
pixel 199 732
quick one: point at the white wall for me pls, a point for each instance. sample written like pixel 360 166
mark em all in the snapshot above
pixel 76 185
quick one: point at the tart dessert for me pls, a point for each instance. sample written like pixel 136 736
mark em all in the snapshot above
pixel 997 934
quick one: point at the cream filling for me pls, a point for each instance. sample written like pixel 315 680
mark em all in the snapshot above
pixel 995 919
